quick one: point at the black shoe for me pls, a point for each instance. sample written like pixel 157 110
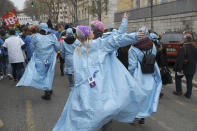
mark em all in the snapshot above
pixel 142 121
pixel 62 73
pixel 161 95
pixel 51 92
pixel 47 95
pixel 188 97
pixel 177 93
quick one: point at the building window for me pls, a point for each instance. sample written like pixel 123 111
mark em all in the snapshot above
pixel 143 3
pixel 149 2
pixel 137 3
pixel 106 6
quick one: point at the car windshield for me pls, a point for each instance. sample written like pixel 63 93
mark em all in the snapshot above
pixel 172 38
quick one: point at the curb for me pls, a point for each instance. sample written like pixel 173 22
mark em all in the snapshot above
pixel 194 83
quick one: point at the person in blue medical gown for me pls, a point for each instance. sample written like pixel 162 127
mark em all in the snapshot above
pixel 104 90
pixel 39 72
pixel 150 83
pixel 68 46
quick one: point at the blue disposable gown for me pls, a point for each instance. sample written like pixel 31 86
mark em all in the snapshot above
pixel 115 95
pixel 38 74
pixel 67 51
pixel 56 33
pixel 150 83
pixel 28 49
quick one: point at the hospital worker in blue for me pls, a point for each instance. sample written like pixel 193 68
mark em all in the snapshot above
pixel 39 72
pixel 150 83
pixel 104 90
pixel 67 50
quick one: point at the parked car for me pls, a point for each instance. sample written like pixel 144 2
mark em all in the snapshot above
pixel 173 41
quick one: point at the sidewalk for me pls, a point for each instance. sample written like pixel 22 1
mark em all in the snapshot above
pixel 194 83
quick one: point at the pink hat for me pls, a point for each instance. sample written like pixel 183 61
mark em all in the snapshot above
pixel 97 25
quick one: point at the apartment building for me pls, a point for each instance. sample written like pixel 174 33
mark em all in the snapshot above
pixel 168 15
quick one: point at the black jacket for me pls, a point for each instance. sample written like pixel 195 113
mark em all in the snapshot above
pixel 189 53
pixel 161 57
pixel 123 55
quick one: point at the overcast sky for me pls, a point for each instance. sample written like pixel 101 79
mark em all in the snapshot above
pixel 18 3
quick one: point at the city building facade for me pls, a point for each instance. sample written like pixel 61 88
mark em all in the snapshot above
pixel 168 15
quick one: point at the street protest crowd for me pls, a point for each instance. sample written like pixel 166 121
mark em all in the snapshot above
pixel 113 75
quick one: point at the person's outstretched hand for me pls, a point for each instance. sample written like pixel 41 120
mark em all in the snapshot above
pixel 140 35
pixel 125 15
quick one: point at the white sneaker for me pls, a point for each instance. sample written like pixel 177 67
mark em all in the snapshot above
pixel 9 76
pixel 1 77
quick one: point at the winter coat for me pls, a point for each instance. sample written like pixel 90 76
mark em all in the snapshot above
pixel 189 53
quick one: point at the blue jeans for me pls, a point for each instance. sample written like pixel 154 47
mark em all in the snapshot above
pixel 70 80
pixel 178 81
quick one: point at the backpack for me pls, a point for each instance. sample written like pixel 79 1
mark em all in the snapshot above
pixel 148 61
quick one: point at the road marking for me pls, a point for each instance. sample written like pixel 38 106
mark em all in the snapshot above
pixel 183 104
pixel 195 109
pixel 180 103
pixel 29 116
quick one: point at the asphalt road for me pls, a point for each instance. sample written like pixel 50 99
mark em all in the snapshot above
pixel 22 109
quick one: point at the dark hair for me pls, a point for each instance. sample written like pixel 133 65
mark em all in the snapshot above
pixel 63 34
pixel 12 32
pixel 49 23
pixel 2 32
pixel 67 26
pixel 74 30
pixel 42 32
pixel 33 31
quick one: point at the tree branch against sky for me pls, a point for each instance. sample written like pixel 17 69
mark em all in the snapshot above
pixel 6 6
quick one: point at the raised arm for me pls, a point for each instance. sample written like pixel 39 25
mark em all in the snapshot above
pixel 114 41
pixel 123 26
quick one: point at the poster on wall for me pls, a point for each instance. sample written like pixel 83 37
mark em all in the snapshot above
pixel 10 18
